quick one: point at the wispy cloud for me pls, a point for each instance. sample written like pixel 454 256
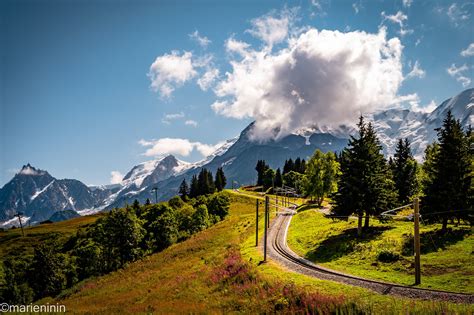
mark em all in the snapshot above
pixel 416 71
pixel 469 51
pixel 203 41
pixel 167 118
pixel 191 122
pixel 458 74
pixel 398 18
pixel 407 3
pixel 178 146
pixel 457 14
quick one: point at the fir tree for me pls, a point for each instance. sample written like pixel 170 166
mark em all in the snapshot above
pixel 261 168
pixel 404 169
pixel 220 181
pixel 194 189
pixel 278 178
pixel 448 190
pixel 183 190
pixel 365 185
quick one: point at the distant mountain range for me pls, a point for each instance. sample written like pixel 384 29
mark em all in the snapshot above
pixel 38 195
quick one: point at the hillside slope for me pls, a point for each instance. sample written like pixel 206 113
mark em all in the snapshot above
pixel 207 274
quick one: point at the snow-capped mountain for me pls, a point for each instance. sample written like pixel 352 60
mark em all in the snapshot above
pixel 38 195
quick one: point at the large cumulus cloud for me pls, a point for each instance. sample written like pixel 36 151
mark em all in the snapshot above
pixel 318 78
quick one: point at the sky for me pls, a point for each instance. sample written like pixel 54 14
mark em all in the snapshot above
pixel 88 89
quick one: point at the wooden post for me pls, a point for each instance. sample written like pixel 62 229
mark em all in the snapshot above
pixel 256 224
pixel 417 242
pixel 266 226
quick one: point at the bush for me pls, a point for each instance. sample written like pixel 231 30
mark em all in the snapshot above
pixel 388 256
pixel 218 205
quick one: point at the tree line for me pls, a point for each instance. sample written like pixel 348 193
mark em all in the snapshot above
pixel 119 237
pixel 360 181
pixel 203 184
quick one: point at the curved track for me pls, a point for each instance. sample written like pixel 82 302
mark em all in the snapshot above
pixel 279 251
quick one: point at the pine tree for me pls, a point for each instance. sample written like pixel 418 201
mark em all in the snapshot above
pixel 303 166
pixel 261 168
pixel 194 189
pixel 297 166
pixel 278 178
pixel 404 169
pixel 449 175
pixel 183 190
pixel 365 186
pixel 220 181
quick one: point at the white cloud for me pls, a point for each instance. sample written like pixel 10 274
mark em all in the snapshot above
pixel 416 71
pixel 407 3
pixel 399 18
pixel 458 74
pixel 208 78
pixel 428 108
pixel 469 51
pixel 203 41
pixel 356 6
pixel 234 46
pixel 170 71
pixel 321 77
pixel 191 122
pixel 178 146
pixel 116 177
pixel 272 28
pixel 465 81
pixel 317 8
pixel 453 70
pixel 169 117
pixel 457 14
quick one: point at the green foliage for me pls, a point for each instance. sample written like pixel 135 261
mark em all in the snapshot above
pixel 365 184
pixel 46 276
pixel 261 169
pixel 268 178
pixel 388 256
pixel 404 170
pixel 176 202
pixel 88 258
pixel 183 190
pixel 220 181
pixel 17 289
pixel 321 175
pixel 218 205
pixel 449 174
pixel 200 218
pixel 295 180
pixel 278 178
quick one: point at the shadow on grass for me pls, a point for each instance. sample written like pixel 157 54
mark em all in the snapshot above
pixel 336 246
pixel 433 240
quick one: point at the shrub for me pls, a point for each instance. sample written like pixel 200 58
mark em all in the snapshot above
pixel 388 256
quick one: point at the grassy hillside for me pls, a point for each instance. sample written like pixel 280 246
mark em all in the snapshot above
pixel 218 270
pixel 13 244
pixel 446 259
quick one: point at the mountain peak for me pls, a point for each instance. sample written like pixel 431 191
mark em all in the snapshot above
pixel 30 170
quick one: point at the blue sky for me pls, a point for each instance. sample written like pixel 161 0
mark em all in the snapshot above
pixel 88 87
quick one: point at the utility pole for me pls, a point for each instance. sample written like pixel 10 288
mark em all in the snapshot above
pixel 265 237
pixel 417 242
pixel 256 223
pixel 21 225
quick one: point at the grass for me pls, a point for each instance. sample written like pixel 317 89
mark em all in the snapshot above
pixel 13 244
pixel 386 251
pixel 218 271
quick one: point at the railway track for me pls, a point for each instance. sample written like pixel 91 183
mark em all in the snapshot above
pixel 279 251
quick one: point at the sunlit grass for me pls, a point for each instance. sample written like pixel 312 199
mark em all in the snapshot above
pixel 447 262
